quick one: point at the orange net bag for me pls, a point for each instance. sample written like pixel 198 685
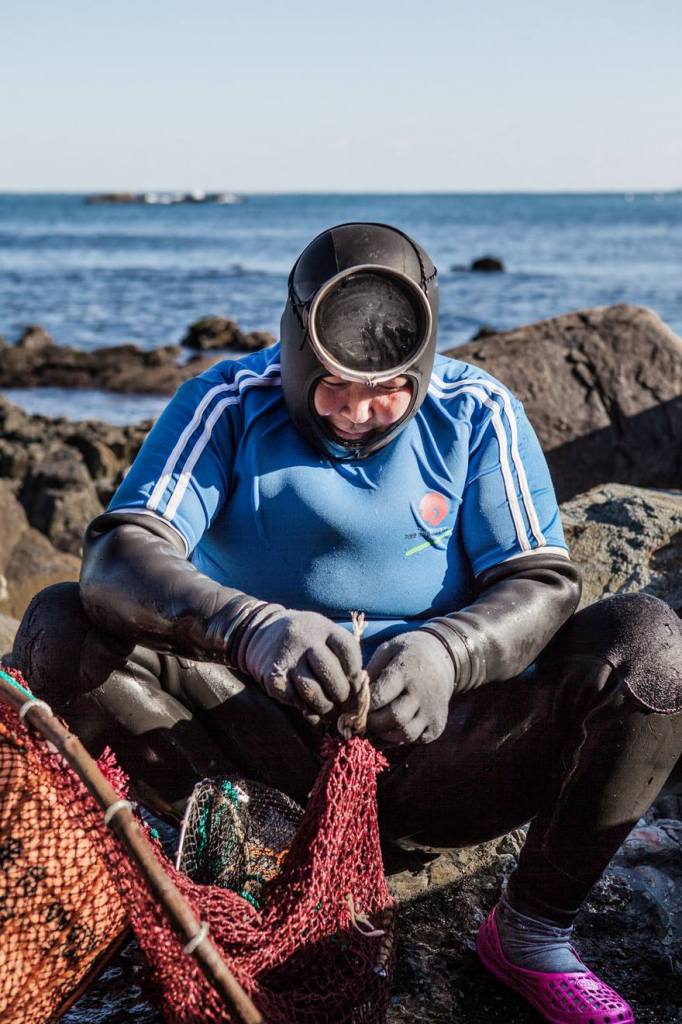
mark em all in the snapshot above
pixel 59 909
pixel 315 947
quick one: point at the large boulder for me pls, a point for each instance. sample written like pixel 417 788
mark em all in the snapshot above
pixel 34 564
pixel 217 332
pixel 603 389
pixel 28 562
pixel 25 441
pixel 60 498
pixel 627 539
pixel 213 332
pixel 13 524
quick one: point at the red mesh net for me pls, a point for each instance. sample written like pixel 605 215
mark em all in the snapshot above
pixel 317 948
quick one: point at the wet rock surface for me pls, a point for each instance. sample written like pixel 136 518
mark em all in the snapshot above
pixel 603 389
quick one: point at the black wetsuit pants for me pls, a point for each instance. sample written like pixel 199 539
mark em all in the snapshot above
pixel 579 745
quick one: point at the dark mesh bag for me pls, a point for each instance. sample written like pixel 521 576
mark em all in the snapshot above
pixel 236 834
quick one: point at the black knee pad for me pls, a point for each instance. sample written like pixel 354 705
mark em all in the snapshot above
pixel 641 639
pixel 59 652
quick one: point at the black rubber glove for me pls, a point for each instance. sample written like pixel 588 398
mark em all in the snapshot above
pixel 519 606
pixel 412 679
pixel 301 658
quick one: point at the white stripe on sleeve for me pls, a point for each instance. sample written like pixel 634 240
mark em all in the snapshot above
pixel 448 390
pixel 235 386
pixel 186 475
pixel 507 479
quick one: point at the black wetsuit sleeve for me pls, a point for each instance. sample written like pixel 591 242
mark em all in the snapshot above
pixel 137 583
pixel 519 606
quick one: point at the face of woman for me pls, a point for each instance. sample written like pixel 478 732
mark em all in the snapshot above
pixel 354 410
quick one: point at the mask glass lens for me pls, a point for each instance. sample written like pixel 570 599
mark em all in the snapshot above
pixel 369 323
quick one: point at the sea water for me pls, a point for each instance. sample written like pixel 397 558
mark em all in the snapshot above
pixel 96 275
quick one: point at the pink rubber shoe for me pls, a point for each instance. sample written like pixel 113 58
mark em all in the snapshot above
pixel 568 998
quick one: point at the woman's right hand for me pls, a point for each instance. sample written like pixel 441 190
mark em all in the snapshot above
pixel 302 658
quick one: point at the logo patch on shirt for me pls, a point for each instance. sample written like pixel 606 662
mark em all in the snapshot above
pixel 433 508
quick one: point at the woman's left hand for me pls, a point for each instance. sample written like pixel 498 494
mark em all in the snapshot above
pixel 412 678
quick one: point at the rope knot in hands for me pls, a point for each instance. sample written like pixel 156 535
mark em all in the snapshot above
pixel 354 723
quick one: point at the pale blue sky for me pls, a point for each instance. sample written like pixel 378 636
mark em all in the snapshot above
pixel 377 96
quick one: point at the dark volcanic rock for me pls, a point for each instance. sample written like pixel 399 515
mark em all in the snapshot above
pixel 34 338
pixel 487 265
pixel 35 563
pixel 603 389
pixel 62 473
pixel 35 361
pixel 13 523
pixel 124 368
pixel 216 332
pixel 60 498
pixel 28 560
pixel 629 929
pixel 24 440
pixel 213 332
pixel 256 340
pixel 627 539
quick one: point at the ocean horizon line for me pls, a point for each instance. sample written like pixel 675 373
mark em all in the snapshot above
pixel 615 191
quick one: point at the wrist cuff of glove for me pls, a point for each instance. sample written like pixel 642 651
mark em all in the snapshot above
pixel 260 613
pixel 460 649
pixel 226 629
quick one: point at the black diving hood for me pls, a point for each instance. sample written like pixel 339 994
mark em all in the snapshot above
pixel 362 305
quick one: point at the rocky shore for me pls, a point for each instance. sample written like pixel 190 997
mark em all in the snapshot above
pixel 603 388
pixel 36 361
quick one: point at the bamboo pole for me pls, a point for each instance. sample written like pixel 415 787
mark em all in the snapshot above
pixel 124 824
